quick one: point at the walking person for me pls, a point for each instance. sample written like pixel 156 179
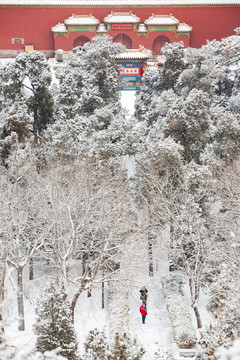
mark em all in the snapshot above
pixel 143 311
pixel 144 294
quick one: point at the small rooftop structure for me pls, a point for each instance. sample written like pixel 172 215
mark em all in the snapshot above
pixel 138 54
pixel 161 20
pixel 59 28
pixel 184 28
pixel 142 29
pixel 76 20
pixel 101 29
pixel 121 18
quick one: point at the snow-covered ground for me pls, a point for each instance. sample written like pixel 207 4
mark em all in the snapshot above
pixel 128 100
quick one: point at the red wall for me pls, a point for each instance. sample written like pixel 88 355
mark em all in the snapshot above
pixel 34 24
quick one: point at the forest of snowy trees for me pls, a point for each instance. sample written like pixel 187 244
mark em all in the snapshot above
pixel 68 203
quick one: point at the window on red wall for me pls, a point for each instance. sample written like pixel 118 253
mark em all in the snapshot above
pixel 80 41
pixel 158 43
pixel 123 39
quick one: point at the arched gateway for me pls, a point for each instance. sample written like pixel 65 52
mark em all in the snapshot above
pixel 123 39
pixel 158 43
pixel 80 41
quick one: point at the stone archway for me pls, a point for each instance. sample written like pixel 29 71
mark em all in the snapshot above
pixel 80 41
pixel 123 39
pixel 158 43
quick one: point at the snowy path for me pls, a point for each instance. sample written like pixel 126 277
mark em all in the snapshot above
pixel 156 334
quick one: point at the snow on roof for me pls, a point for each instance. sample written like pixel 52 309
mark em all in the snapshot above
pixel 140 53
pixel 101 28
pixel 81 20
pixel 161 20
pixel 59 28
pixel 93 3
pixel 121 17
pixel 184 28
pixel 142 28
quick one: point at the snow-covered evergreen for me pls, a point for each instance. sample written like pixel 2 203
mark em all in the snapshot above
pixel 53 326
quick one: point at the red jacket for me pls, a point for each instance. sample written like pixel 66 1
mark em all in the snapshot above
pixel 143 311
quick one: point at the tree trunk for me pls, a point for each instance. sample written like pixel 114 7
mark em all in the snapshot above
pixel 35 124
pixel 103 290
pixel 74 302
pixel 21 323
pixel 198 318
pixel 116 350
pixel 31 269
pixel 1 321
pixel 150 257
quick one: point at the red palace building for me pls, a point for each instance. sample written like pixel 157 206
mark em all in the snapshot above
pixel 48 25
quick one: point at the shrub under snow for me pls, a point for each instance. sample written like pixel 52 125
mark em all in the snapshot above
pixel 183 331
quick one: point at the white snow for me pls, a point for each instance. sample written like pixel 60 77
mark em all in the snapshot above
pixel 121 17
pixel 128 101
pixel 184 27
pixel 81 20
pixel 59 28
pixel 161 20
pixel 134 54
pixel 101 28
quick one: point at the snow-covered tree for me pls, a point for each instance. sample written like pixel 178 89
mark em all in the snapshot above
pixel 96 346
pixel 127 348
pixel 88 216
pixel 21 234
pixel 156 81
pixel 179 314
pixel 47 355
pixel 53 326
pixel 94 70
pixel 29 78
pixel 14 127
pixel 188 122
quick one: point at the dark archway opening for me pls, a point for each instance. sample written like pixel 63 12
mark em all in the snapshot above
pixel 158 43
pixel 123 39
pixel 80 41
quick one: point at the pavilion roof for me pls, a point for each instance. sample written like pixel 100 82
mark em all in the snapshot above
pixel 161 20
pixel 140 53
pixel 184 28
pixel 121 17
pixel 81 20
pixel 61 28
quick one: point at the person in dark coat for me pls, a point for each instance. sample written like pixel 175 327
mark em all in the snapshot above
pixel 144 294
pixel 143 311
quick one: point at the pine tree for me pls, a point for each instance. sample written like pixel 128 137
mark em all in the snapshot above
pixel 28 79
pixel 96 347
pixel 53 326
pixel 126 348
